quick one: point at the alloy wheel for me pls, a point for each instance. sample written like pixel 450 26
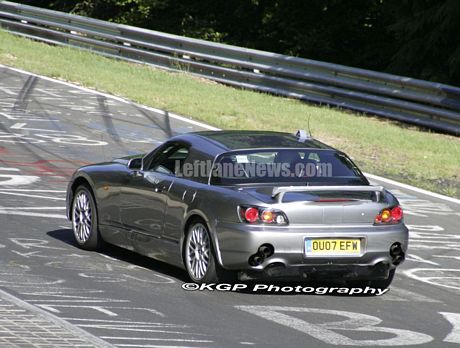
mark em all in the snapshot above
pixel 82 217
pixel 198 251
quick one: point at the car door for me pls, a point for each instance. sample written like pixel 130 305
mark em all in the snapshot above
pixel 144 197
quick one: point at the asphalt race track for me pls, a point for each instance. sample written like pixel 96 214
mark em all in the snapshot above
pixel 117 298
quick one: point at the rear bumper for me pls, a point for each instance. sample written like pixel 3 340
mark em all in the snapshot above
pixel 238 242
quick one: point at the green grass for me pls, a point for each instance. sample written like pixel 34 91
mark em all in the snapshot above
pixel 427 160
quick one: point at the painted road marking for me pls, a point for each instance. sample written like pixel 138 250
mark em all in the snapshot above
pixel 34 208
pixel 4 192
pixel 20 126
pixel 427 228
pixel 68 296
pixel 108 310
pixel 415 258
pixel 52 308
pixel 28 243
pixel 114 273
pixel 134 328
pixel 430 238
pixel 454 319
pixel 382 180
pixel 23 117
pixel 412 188
pixel 448 257
pixel 62 292
pixel 30 254
pixel 71 139
pixel 326 332
pixel 80 300
pixel 17 180
pixel 51 94
pixel 112 97
pixel 415 206
pixel 146 339
pixel 206 126
pixel 8 91
pixel 441 277
pixel 67 139
pixel 50 320
pixel 32 214
pixel 26 280
pixel 129 322
pixel 31 211
pixel 106 277
pixel 32 190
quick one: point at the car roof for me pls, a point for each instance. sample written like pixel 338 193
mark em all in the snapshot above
pixel 230 140
pixel 209 144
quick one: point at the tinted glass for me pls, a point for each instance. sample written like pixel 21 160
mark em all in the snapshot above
pixel 170 160
pixel 286 165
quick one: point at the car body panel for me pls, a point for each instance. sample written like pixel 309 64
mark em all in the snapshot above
pixel 147 211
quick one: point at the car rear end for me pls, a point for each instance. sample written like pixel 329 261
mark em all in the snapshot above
pixel 317 237
pixel 338 225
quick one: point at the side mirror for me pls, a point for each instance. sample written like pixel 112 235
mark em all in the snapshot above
pixel 135 164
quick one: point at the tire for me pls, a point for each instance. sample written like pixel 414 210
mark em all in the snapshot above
pixel 85 220
pixel 199 256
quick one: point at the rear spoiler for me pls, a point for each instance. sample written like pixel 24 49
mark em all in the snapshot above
pixel 278 192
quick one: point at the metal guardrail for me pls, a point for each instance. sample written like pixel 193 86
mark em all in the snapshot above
pixel 432 105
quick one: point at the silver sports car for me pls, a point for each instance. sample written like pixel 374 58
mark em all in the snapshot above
pixel 252 204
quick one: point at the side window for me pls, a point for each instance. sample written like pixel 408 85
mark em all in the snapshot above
pixel 170 160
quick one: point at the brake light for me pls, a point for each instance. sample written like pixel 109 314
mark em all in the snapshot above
pixel 254 215
pixel 397 213
pixel 389 216
pixel 251 215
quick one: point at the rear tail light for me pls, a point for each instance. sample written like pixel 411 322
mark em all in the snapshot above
pixel 259 215
pixel 251 215
pixel 267 216
pixel 397 213
pixel 389 216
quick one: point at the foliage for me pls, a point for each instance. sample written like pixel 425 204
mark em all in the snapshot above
pixel 424 159
pixel 417 38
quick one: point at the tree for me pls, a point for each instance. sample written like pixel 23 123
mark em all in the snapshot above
pixel 417 38
pixel 428 40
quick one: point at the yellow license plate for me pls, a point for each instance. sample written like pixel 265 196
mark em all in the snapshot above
pixel 331 247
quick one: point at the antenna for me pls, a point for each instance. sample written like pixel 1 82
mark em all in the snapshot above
pixel 308 125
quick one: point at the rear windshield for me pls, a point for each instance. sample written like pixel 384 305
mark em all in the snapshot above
pixel 307 166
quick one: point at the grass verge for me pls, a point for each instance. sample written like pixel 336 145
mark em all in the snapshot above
pixel 404 153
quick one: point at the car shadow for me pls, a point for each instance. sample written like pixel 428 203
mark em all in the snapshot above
pixel 121 254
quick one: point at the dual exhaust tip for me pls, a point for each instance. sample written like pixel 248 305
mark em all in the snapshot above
pixel 267 250
pixel 397 253
pixel 264 251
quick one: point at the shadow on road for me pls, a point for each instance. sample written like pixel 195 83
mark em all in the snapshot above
pixel 313 287
pixel 66 236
